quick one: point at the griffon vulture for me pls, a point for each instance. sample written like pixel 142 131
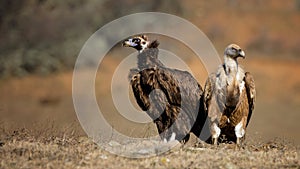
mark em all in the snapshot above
pixel 229 96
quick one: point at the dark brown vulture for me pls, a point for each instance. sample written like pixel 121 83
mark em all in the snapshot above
pixel 229 96
pixel 170 97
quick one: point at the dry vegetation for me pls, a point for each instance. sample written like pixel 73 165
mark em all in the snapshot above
pixel 20 149
pixel 41 39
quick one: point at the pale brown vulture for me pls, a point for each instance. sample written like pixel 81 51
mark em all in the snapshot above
pixel 229 96
pixel 175 108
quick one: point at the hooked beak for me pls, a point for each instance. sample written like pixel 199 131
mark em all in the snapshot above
pixel 242 54
pixel 126 43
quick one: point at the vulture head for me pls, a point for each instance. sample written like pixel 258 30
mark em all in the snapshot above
pixel 138 42
pixel 234 51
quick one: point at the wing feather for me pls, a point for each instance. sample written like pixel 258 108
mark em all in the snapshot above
pixel 251 93
pixel 180 92
pixel 208 89
pixel 141 98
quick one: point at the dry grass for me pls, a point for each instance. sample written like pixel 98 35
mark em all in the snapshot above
pixel 20 149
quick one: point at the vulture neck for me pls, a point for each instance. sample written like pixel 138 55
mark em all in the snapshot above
pixel 231 66
pixel 232 88
pixel 148 57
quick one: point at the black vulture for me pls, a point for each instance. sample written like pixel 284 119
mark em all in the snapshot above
pixel 175 108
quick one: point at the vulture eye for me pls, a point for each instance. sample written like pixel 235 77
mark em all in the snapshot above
pixel 137 40
pixel 144 43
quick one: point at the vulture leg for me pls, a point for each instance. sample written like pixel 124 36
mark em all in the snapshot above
pixel 239 132
pixel 238 141
pixel 216 131
pixel 214 141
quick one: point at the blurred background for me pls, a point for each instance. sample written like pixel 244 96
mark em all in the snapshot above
pixel 41 39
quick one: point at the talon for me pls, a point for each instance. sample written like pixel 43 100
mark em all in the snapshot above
pixel 238 141
pixel 215 141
